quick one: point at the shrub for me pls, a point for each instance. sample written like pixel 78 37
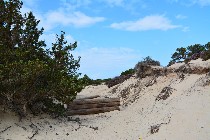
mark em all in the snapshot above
pixel 143 68
pixel 88 81
pixel 30 74
pixel 117 80
pixel 149 61
pixel 129 71
pixel 120 79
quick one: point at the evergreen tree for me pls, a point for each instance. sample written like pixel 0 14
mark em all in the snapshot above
pixel 195 49
pixel 30 74
pixel 180 54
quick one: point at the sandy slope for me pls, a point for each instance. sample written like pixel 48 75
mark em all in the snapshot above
pixel 185 114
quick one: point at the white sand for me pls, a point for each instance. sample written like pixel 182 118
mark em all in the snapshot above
pixel 183 115
pixel 193 63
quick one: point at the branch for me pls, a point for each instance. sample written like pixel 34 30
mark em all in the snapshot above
pixel 36 132
pixel 5 129
pixel 33 126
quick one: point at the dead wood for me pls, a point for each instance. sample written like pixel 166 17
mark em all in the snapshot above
pixel 5 129
pixel 94 101
pixel 92 110
pixel 95 105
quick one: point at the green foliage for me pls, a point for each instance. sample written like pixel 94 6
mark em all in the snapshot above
pixel 100 81
pixel 129 71
pixel 28 72
pixel 190 53
pixel 117 80
pixel 145 65
pixel 195 49
pixel 109 81
pixel 206 54
pixel 147 61
pixel 88 81
pixel 179 54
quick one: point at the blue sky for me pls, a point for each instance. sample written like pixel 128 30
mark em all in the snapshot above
pixel 113 35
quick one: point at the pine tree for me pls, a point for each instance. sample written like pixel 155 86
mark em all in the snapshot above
pixel 29 73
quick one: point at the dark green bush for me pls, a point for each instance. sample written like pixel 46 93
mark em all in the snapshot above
pixel 88 81
pixel 117 80
pixel 149 61
pixel 144 66
pixel 129 71
pixel 30 74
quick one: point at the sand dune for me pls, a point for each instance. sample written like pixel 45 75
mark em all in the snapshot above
pixel 167 107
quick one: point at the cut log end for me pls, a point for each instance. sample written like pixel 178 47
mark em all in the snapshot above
pixel 93 106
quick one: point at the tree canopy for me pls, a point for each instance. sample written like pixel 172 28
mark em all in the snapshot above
pixel 190 53
pixel 30 74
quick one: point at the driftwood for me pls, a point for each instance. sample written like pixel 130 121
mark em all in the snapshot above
pixel 90 97
pixel 5 129
pixel 94 101
pixel 93 106
pixel 98 105
pixel 92 110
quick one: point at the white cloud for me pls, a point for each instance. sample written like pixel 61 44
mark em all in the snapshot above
pixel 202 2
pixel 181 16
pixel 153 22
pixel 130 5
pixel 186 29
pixel 191 2
pixel 30 3
pixel 74 4
pixel 62 17
pixel 106 62
pixel 115 2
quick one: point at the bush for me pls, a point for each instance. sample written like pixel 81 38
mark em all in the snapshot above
pixel 149 61
pixel 120 79
pixel 144 67
pixel 127 72
pixel 30 74
pixel 88 81
pixel 117 80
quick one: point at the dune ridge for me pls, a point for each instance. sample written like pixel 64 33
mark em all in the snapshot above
pixel 171 106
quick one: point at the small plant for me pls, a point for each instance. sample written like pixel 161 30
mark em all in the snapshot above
pixel 164 94
pixel 154 129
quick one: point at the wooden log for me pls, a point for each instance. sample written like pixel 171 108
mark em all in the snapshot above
pixel 90 97
pixel 92 111
pixel 95 101
pixel 86 106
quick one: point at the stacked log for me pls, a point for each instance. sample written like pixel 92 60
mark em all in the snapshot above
pixel 93 106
